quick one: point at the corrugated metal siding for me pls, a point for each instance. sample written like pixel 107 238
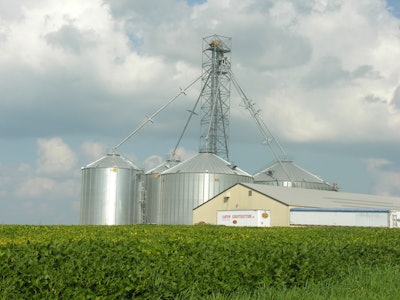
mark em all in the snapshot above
pixel 152 194
pixel 323 209
pixel 181 192
pixel 193 182
pixel 363 218
pixel 110 192
pixel 110 196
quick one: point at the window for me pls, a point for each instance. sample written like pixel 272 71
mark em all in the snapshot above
pixel 250 193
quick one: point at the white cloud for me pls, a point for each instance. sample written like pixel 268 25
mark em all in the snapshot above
pixel 44 188
pixel 93 150
pixel 55 175
pixel 54 157
pixel 321 54
pixel 152 162
pixel 183 154
pixel 47 195
pixel 283 14
pixel 35 187
pixel 347 65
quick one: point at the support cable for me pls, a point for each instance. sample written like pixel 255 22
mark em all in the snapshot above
pixel 267 134
pixel 150 119
pixel 192 112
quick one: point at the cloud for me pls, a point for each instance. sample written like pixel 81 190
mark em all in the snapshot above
pixel 374 99
pixel 78 76
pixel 47 192
pixel 102 66
pixel 75 61
pixel 327 71
pixel 54 174
pixel 55 157
pixel 181 154
pixel 396 99
pixel 93 150
pixel 35 187
pixel 69 38
pixel 152 162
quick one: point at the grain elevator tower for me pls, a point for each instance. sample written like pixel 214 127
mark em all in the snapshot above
pixel 215 95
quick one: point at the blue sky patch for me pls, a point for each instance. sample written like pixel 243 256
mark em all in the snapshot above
pixel 394 7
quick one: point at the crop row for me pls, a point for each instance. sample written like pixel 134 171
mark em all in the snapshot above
pixel 150 261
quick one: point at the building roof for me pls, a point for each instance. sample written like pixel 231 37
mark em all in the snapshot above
pixel 205 162
pixel 326 199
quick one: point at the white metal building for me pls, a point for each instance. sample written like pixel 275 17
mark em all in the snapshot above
pixel 287 206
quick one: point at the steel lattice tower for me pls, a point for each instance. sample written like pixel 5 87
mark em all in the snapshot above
pixel 215 95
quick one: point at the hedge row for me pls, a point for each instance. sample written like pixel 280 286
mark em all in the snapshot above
pixel 150 261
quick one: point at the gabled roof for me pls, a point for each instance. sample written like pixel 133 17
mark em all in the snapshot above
pixel 206 163
pixel 326 199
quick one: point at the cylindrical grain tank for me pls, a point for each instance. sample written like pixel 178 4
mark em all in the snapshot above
pixel 277 174
pixel 193 182
pixel 152 191
pixel 111 192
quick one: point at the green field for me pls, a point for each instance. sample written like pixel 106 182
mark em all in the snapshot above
pixel 198 262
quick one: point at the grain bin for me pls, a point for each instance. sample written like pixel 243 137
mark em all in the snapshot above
pixel 193 182
pixel 288 174
pixel 111 192
pixel 152 191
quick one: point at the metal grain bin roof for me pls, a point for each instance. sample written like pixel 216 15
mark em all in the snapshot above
pixel 277 172
pixel 206 163
pixel 113 160
pixel 164 166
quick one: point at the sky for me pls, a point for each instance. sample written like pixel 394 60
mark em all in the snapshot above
pixel 77 77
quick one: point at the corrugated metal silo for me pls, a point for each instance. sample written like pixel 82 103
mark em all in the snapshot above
pixel 152 191
pixel 193 182
pixel 111 192
pixel 277 174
